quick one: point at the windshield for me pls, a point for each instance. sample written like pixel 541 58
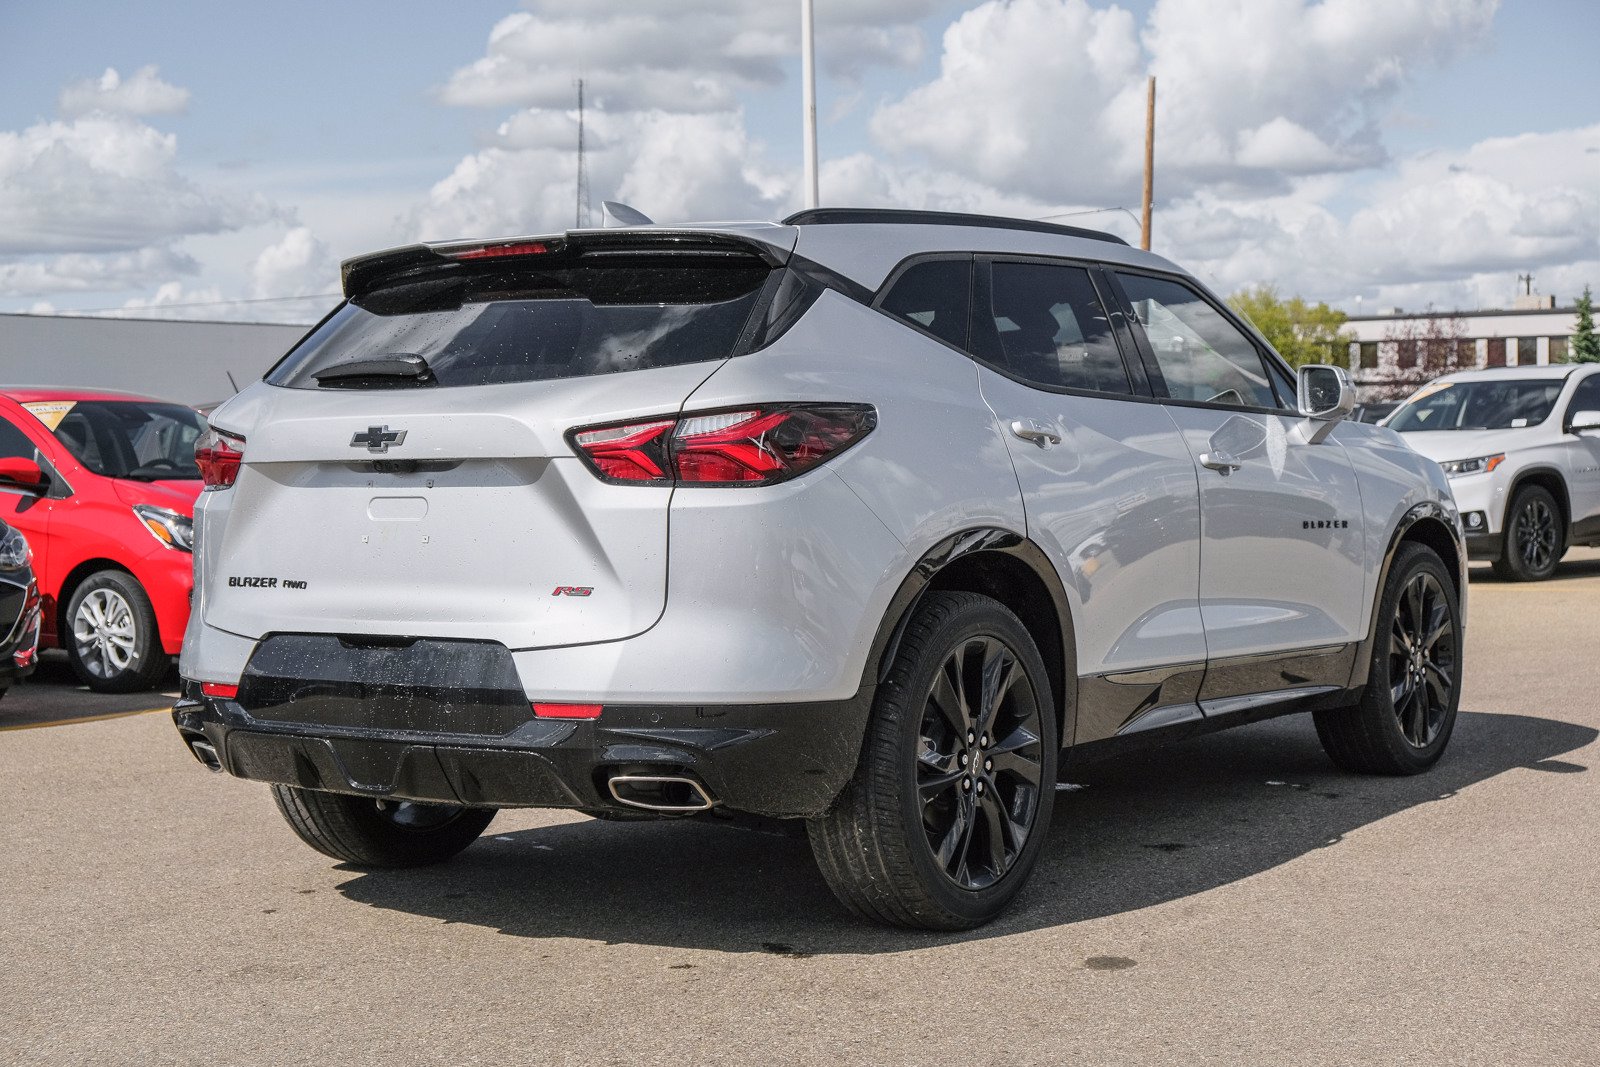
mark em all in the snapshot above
pixel 134 439
pixel 1505 404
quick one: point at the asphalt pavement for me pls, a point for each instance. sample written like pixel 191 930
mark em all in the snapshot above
pixel 1232 900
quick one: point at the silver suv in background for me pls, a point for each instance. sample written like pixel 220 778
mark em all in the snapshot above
pixel 1521 446
pixel 875 520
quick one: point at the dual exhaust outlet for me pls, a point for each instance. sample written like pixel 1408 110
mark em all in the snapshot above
pixel 665 794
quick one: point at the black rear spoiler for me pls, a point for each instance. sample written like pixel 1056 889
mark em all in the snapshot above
pixel 361 274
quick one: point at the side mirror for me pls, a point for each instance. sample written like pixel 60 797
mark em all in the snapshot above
pixel 1326 395
pixel 24 474
pixel 1584 420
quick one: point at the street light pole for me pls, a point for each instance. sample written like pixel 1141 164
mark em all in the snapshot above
pixel 1149 161
pixel 808 89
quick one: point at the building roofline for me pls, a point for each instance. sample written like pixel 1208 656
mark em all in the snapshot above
pixel 142 318
pixel 1452 314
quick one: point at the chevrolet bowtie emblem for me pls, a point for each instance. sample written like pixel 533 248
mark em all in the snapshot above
pixel 378 438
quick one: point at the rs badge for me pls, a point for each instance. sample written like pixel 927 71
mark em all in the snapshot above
pixel 573 590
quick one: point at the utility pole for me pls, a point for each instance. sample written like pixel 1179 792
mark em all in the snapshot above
pixel 808 89
pixel 581 215
pixel 1149 161
pixel 1527 284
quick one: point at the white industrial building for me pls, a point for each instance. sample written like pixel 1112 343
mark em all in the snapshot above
pixel 187 362
pixel 1393 351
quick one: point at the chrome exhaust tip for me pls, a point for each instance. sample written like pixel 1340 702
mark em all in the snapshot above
pixel 206 753
pixel 667 794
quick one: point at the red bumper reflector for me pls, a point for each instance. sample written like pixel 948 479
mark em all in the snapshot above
pixel 567 711
pixel 217 689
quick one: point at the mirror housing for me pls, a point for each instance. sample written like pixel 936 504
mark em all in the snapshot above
pixel 24 474
pixel 1584 420
pixel 1325 395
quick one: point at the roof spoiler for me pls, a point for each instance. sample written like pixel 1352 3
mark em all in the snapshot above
pixel 359 275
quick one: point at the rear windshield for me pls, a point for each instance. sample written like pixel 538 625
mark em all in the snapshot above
pixel 482 327
pixel 1503 404
pixel 130 438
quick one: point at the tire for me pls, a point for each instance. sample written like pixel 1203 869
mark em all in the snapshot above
pixel 370 832
pixel 111 636
pixel 1535 537
pixel 876 844
pixel 1401 725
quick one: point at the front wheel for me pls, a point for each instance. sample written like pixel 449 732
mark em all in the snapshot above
pixel 370 832
pixel 951 799
pixel 111 637
pixel 1535 541
pixel 1408 710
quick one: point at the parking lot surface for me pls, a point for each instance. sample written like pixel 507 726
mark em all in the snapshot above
pixel 1233 900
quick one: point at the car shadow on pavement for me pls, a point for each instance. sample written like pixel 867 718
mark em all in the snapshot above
pixel 1567 570
pixel 1142 830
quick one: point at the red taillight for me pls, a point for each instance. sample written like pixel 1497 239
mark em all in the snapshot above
pixel 515 248
pixel 567 711
pixel 752 446
pixel 217 689
pixel 218 455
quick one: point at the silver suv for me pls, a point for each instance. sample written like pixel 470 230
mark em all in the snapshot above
pixel 1521 446
pixel 878 520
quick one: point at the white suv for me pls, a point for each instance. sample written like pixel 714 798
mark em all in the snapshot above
pixel 872 519
pixel 1521 446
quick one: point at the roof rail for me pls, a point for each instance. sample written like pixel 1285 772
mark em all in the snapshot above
pixel 863 216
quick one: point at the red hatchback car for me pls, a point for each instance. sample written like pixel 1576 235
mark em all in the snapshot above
pixel 103 486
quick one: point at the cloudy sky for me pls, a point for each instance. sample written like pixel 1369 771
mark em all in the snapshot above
pixel 209 160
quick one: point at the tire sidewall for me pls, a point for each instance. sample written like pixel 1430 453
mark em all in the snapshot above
pixel 992 620
pixel 149 659
pixel 1414 560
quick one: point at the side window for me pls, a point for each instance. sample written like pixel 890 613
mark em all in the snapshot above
pixel 1045 324
pixel 1201 355
pixel 14 444
pixel 1586 397
pixel 935 295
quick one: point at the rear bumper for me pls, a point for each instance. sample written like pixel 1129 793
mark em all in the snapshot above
pixel 774 760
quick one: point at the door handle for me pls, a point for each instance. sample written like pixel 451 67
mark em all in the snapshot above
pixel 1221 462
pixel 1029 430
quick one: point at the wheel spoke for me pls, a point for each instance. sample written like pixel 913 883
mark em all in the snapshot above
pixel 1012 756
pixel 999 672
pixel 946 698
pixel 1439 681
pixel 930 787
pixel 953 846
pixel 993 821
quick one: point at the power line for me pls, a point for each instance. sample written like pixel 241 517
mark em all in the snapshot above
pixel 198 304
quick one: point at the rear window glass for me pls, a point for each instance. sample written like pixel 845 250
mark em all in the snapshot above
pixel 935 295
pixel 481 327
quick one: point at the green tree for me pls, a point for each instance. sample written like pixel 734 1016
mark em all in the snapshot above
pixel 1301 332
pixel 1585 346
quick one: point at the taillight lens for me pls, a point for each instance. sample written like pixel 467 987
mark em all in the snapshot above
pixel 751 446
pixel 218 455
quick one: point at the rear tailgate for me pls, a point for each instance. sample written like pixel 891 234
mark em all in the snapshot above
pixel 479 522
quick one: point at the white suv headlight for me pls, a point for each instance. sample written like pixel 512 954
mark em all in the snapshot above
pixel 171 528
pixel 1460 468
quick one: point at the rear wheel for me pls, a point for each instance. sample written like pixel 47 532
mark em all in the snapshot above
pixel 111 637
pixel 951 800
pixel 1535 541
pixel 372 832
pixel 1408 710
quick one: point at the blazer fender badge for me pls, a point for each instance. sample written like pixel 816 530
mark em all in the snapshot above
pixel 573 590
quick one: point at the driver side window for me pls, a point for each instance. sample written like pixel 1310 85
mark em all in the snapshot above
pixel 1201 355
pixel 1586 397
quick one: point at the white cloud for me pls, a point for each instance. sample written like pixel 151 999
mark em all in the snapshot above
pixel 1048 96
pixel 144 93
pixel 78 272
pixel 297 265
pixel 104 182
pixel 694 56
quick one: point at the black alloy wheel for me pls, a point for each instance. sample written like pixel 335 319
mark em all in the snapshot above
pixel 1422 659
pixel 979 763
pixel 950 804
pixel 1406 714
pixel 1534 536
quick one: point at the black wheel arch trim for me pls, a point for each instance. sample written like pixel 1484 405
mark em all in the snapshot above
pixel 1563 497
pixel 1427 511
pixel 962 545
